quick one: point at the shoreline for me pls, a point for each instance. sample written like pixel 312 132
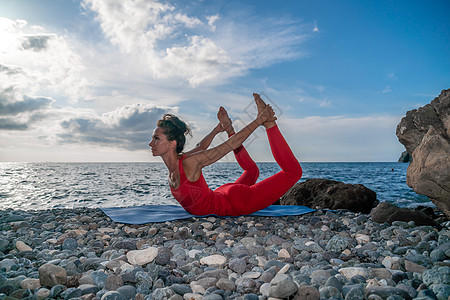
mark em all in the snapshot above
pixel 80 253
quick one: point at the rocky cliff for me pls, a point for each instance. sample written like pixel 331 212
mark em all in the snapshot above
pixel 425 133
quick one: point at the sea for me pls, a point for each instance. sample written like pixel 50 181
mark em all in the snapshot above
pixel 41 186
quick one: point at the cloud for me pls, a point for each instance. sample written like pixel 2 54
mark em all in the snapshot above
pixel 12 124
pixel 28 104
pixel 129 127
pixel 20 111
pixel 172 44
pixel 211 21
pixel 35 61
pixel 36 42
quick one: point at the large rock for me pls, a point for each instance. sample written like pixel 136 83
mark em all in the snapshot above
pixel 387 212
pixel 425 133
pixel 331 194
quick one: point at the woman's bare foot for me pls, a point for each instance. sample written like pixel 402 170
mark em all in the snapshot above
pixel 261 105
pixel 225 121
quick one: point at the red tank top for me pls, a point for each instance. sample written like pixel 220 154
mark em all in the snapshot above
pixel 196 197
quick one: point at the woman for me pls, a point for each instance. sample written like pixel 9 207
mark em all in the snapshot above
pixel 244 196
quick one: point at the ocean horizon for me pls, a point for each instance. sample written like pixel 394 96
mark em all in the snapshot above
pixel 46 185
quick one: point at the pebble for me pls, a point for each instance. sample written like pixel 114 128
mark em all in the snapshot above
pixel 81 253
pixel 142 257
pixel 214 260
pixel 22 247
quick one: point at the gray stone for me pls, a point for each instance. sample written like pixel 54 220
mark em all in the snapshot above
pixel 333 281
pixel 329 292
pixel 4 243
pixel 88 289
pixel 336 244
pixel 99 278
pixel 181 289
pixel 442 291
pixel 437 255
pixel 355 293
pixel 69 244
pixel 276 263
pixel 7 264
pixel 282 286
pixel 269 274
pixel 436 275
pixel 226 284
pixel 386 291
pixel 163 258
pixel 113 282
pixel 407 288
pixel 112 295
pixel 56 290
pixel 237 265
pixel 246 285
pixel 127 291
pixel 162 293
pixel 307 293
pixel 212 297
pixel 71 293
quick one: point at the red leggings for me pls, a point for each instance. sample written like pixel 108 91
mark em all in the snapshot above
pixel 245 195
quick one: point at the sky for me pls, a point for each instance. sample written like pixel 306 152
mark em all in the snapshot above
pixel 87 80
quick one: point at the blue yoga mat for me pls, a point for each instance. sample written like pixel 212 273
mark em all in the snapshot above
pixel 162 213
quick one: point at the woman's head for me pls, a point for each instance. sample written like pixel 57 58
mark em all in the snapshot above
pixel 174 129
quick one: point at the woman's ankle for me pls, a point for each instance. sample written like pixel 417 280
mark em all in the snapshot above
pixel 269 124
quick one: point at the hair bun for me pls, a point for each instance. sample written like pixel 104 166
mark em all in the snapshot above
pixel 174 129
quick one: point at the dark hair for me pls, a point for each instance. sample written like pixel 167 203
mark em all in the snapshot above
pixel 174 129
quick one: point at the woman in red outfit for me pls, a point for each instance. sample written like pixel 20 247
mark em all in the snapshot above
pixel 244 196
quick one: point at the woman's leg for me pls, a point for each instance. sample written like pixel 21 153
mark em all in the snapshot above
pixel 248 199
pixel 251 171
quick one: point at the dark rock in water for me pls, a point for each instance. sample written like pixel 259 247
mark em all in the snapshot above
pixel 387 212
pixel 405 157
pixel 425 133
pixel 331 194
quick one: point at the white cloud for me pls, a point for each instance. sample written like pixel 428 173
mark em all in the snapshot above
pixel 211 21
pixel 34 61
pixel 172 44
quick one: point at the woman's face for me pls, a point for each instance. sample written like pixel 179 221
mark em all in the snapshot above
pixel 160 144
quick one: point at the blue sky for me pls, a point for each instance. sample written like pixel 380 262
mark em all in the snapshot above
pixel 87 80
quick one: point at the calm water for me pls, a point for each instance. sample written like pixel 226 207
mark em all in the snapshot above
pixel 68 185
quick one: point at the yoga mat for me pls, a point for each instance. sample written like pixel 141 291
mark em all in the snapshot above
pixel 162 213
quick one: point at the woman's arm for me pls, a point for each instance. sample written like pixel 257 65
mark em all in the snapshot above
pixel 206 141
pixel 194 163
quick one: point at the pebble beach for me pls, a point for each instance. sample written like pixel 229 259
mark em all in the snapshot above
pixel 81 254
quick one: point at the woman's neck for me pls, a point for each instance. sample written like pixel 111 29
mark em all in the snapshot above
pixel 171 162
